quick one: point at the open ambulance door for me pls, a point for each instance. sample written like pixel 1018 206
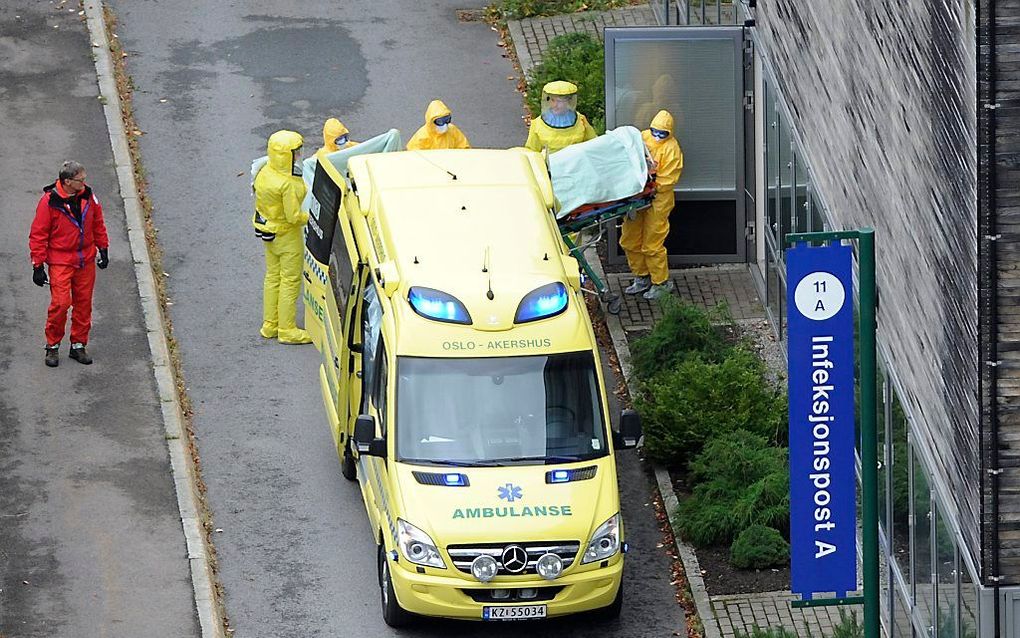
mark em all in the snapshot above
pixel 328 272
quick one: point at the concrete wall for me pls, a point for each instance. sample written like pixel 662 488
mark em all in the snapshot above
pixel 883 96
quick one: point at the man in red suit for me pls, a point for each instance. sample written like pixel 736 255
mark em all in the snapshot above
pixel 67 233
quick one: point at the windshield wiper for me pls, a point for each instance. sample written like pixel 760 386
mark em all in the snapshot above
pixel 448 463
pixel 551 459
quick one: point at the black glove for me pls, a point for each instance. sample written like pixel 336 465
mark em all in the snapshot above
pixel 104 258
pixel 39 275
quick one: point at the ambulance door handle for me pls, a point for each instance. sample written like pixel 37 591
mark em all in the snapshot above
pixel 307 278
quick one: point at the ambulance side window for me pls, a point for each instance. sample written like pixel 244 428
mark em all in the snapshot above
pixel 379 391
pixel 340 271
pixel 371 322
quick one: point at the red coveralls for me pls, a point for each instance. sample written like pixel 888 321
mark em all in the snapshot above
pixel 65 234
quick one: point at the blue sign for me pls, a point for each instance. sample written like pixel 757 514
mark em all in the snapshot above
pixel 823 512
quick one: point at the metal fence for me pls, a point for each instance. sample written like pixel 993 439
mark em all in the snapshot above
pixel 699 12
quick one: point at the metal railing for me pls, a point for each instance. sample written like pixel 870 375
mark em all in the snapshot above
pixel 699 12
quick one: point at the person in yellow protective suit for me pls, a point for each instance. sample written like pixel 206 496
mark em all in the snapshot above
pixel 439 130
pixel 559 125
pixel 278 221
pixel 643 238
pixel 335 136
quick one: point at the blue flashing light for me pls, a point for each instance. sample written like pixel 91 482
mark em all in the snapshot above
pixel 553 477
pixel 546 301
pixel 438 305
pixel 455 480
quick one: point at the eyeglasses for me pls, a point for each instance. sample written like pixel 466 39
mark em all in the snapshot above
pixel 440 121
pixel 80 180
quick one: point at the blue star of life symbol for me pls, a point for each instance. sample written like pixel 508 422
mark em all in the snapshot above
pixel 510 492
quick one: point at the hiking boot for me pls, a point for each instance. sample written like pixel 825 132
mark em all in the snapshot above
pixel 639 285
pixel 79 354
pixel 53 356
pixel 658 291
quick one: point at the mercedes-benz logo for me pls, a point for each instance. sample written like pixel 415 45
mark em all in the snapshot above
pixel 515 559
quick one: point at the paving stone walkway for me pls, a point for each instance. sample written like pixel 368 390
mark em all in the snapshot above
pixel 707 287
pixel 531 35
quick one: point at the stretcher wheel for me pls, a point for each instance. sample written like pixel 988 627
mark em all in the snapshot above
pixel 613 304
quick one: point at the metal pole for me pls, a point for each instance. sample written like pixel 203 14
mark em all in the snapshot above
pixel 869 433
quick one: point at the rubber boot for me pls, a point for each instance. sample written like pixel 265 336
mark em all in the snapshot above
pixel 640 284
pixel 268 330
pixel 294 336
pixel 658 291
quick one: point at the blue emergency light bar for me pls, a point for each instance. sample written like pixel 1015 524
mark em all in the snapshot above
pixel 438 305
pixel 568 476
pixel 542 302
pixel 448 479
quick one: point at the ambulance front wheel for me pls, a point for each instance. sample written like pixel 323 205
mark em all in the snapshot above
pixel 393 613
pixel 348 466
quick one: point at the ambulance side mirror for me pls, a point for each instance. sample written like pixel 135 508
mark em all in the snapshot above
pixel 365 439
pixel 389 277
pixel 630 430
pixel 572 269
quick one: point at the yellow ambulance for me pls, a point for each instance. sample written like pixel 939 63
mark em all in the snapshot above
pixel 462 382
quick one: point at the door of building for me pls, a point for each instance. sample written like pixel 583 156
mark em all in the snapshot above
pixel 698 74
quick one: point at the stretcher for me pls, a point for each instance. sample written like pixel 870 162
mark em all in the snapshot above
pixel 586 225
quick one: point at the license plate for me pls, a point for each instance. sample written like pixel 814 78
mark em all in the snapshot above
pixel 513 612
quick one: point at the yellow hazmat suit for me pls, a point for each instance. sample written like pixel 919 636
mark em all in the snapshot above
pixel 332 131
pixel 278 221
pixel 643 238
pixel 432 135
pixel 559 124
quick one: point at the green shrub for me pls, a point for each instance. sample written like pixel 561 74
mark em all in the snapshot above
pixel 517 9
pixel 758 547
pixel 739 481
pixel 685 330
pixel 684 407
pixel 577 58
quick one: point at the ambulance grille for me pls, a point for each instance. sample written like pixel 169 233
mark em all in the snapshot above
pixel 462 555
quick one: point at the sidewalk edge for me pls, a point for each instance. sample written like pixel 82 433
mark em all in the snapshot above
pixel 185 482
pixel 702 602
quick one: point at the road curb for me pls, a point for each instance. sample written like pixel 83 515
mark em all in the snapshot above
pixel 710 626
pixel 183 468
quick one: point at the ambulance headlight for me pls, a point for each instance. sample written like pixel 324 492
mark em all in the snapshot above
pixel 549 566
pixel 484 568
pixel 542 302
pixel 417 546
pixel 604 542
pixel 438 305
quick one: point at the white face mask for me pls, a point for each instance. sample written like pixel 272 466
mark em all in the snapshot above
pixel 442 129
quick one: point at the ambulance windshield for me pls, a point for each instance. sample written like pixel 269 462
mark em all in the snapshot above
pixel 496 411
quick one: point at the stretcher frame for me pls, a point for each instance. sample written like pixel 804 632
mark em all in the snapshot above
pixel 597 217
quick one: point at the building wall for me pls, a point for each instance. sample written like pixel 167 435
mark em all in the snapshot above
pixel 883 94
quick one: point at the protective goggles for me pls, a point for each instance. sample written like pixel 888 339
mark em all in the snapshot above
pixel 442 121
pixel 659 134
pixel 341 141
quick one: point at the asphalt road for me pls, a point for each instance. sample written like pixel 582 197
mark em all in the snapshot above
pixel 90 535
pixel 213 79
